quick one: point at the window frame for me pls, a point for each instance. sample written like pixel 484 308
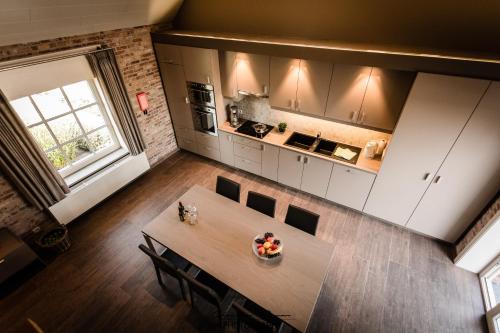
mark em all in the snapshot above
pixel 77 165
pixel 492 311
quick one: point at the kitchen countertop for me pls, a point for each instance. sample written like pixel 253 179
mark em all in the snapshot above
pixel 278 139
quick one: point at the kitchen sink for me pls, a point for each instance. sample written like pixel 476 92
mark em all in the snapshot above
pixel 301 141
pixel 325 147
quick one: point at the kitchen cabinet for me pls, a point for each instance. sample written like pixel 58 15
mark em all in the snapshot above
pixel 175 88
pixel 197 64
pixel 435 113
pixel 316 175
pixel 349 186
pixel 270 157
pixel 384 98
pixel 187 143
pixel 227 65
pixel 207 145
pixel 290 168
pixel 244 72
pixel 167 53
pixel 346 92
pixel 468 178
pixel 247 165
pixel 226 148
pixel 313 86
pixel 284 75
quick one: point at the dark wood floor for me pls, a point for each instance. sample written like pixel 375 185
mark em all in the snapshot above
pixel 382 278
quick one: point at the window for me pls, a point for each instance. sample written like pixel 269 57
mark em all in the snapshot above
pixel 490 285
pixel 70 123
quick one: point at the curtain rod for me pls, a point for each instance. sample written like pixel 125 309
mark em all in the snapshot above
pixel 49 57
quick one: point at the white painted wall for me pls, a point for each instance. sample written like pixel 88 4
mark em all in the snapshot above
pixel 23 21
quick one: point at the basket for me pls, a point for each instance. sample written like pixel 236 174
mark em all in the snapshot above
pixel 56 238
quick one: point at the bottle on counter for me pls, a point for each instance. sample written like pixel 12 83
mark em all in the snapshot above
pixel 182 211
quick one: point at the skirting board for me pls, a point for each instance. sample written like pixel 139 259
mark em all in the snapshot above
pixel 483 249
pixel 99 187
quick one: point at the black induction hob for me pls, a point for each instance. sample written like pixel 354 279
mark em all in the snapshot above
pixel 246 128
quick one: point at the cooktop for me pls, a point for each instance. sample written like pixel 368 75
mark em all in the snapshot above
pixel 246 128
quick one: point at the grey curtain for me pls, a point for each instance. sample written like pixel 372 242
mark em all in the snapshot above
pixel 105 68
pixel 25 164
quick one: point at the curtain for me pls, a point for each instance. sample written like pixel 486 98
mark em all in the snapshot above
pixel 105 68
pixel 25 164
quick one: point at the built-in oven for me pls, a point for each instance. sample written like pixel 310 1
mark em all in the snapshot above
pixel 204 119
pixel 201 94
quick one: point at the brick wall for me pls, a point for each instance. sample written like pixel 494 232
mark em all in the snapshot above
pixel 137 63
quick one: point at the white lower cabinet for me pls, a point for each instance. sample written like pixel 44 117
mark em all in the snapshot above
pixel 349 186
pixel 247 165
pixel 290 168
pixel 316 175
pixel 187 144
pixel 208 145
pixel 226 148
pixel 270 156
pixel 250 153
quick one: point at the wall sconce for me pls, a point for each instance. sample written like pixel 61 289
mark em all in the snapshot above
pixel 142 99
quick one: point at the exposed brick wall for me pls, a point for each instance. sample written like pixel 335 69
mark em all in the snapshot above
pixel 136 59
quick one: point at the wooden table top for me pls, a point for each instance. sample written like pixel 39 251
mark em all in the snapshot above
pixel 220 244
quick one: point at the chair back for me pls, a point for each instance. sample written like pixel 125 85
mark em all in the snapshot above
pixel 201 289
pixel 160 262
pixel 246 317
pixel 262 203
pixel 302 219
pixel 228 188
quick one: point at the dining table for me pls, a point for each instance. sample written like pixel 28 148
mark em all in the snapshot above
pixel 220 243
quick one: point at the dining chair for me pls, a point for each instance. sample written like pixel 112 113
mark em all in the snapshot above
pixel 207 287
pixel 262 203
pixel 228 188
pixel 255 317
pixel 302 219
pixel 169 263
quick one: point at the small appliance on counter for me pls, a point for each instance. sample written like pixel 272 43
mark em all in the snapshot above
pixel 234 116
pixel 375 148
pixel 252 128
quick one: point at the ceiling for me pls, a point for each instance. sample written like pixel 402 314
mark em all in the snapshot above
pixel 456 26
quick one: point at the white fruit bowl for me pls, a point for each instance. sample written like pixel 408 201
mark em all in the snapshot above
pixel 265 256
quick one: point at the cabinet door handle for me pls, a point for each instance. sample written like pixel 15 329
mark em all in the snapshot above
pixel 348 170
pixel 306 160
pixel 297 104
pixel 299 158
pixel 186 99
pixel 229 138
pixel 2 260
pixel 426 176
pixel 208 79
pixel 265 88
pixel 355 115
pixel 437 179
pixel 262 147
pixel 291 104
pixel 362 118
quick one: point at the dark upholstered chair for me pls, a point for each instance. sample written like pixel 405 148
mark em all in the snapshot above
pixel 262 203
pixel 207 287
pixel 228 188
pixel 255 317
pixel 169 263
pixel 302 219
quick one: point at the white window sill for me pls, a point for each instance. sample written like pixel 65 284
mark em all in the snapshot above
pixel 74 179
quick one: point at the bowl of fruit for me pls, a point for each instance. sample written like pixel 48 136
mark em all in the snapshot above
pixel 267 246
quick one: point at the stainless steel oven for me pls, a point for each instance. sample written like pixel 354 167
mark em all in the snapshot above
pixel 204 119
pixel 201 94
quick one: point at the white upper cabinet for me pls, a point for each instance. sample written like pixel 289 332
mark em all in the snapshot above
pixel 316 175
pixel 384 98
pixel 284 75
pixel 197 64
pixel 270 156
pixel 244 72
pixel 290 168
pixel 227 65
pixel 168 53
pixel 435 112
pixel 349 186
pixel 313 86
pixel 468 178
pixel 346 92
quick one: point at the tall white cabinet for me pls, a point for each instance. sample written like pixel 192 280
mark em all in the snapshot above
pixel 468 178
pixel 436 111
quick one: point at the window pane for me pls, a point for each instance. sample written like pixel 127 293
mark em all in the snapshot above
pixel 51 103
pixel 65 128
pixel 91 118
pixel 57 158
pixel 79 94
pixel 77 149
pixel 100 139
pixel 42 137
pixel 493 283
pixel 26 111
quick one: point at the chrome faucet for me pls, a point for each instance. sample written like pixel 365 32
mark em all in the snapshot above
pixel 318 136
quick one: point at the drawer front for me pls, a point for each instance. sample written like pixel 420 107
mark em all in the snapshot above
pixel 207 140
pixel 15 261
pixel 247 142
pixel 168 53
pixel 226 148
pixel 349 186
pixel 248 153
pixel 184 132
pixel 209 152
pixel 247 165
pixel 187 144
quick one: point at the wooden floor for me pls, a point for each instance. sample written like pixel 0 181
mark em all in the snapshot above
pixel 381 279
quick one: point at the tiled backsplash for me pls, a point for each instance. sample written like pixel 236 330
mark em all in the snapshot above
pixel 258 109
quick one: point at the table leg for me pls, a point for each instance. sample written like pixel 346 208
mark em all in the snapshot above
pixel 149 242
